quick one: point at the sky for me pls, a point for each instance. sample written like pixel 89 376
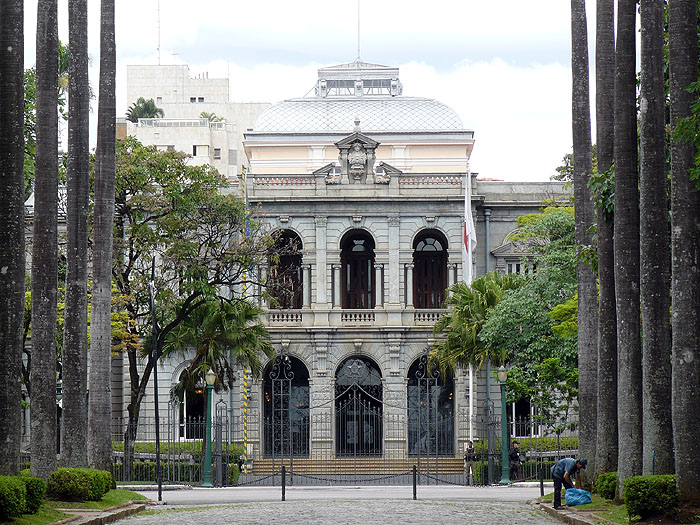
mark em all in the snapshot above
pixel 503 66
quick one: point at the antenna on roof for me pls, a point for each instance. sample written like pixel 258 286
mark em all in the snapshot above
pixel 358 30
pixel 159 32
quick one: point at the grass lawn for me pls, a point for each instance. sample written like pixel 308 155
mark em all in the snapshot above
pixel 49 513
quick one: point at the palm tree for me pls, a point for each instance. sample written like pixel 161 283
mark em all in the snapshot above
pixel 629 371
pixel 468 306
pixel 11 229
pixel 45 245
pixel 143 108
pixel 211 117
pixel 606 435
pixel 74 443
pixel 100 403
pixel 583 209
pixel 220 334
pixel 685 206
pixel 655 267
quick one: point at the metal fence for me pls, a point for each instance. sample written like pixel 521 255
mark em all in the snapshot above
pixel 330 448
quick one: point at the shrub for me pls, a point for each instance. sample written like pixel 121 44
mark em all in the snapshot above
pixel 234 473
pixel 36 490
pixel 82 484
pixel 648 495
pixel 606 485
pixel 13 497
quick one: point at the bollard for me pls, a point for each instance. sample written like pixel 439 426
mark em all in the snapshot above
pixel 284 481
pixel 541 480
pixel 414 482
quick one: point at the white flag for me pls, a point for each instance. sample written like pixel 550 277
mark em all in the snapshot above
pixel 469 242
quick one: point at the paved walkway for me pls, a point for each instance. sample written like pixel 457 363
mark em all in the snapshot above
pixel 347 505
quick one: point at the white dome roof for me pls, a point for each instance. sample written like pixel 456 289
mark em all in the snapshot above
pixel 376 114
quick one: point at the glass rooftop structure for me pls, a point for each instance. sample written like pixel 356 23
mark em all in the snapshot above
pixel 371 93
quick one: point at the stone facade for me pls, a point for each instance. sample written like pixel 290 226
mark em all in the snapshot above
pixel 358 162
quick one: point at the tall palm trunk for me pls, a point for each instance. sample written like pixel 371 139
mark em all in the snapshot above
pixel 74 442
pixel 685 241
pixel 11 229
pixel 100 409
pixel 45 245
pixel 655 269
pixel 629 370
pixel 606 436
pixel 583 209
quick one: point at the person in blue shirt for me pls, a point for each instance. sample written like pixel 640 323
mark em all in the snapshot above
pixel 562 472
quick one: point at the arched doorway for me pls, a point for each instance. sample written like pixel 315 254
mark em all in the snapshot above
pixel 286 281
pixel 286 408
pixel 429 269
pixel 431 420
pixel 191 412
pixel 357 261
pixel 358 408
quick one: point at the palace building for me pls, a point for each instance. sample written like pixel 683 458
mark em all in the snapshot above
pixel 370 185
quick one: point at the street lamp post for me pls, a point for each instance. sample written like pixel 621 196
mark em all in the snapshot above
pixel 210 378
pixel 502 377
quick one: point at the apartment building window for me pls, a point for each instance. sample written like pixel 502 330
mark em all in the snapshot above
pixel 201 150
pixel 193 100
pixel 200 100
pixel 217 153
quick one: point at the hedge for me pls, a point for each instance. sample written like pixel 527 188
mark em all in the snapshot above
pixel 606 485
pixel 36 490
pixel 648 495
pixel 13 497
pixel 535 444
pixel 182 447
pixel 82 484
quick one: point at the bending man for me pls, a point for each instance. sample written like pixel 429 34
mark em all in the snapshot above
pixel 562 472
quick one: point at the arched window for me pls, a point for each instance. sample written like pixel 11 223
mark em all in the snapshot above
pixel 286 282
pixel 431 428
pixel 286 407
pixel 357 261
pixel 429 269
pixel 358 408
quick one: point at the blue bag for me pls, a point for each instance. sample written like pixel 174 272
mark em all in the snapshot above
pixel 577 497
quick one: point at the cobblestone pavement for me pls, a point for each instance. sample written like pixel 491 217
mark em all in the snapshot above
pixel 365 512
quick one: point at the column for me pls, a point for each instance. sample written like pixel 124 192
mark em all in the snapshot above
pixel 451 274
pixel 336 286
pixel 321 223
pixel 409 285
pixel 393 280
pixel 262 275
pixel 306 284
pixel 379 285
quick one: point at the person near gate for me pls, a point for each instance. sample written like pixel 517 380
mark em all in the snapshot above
pixel 516 468
pixel 562 472
pixel 469 458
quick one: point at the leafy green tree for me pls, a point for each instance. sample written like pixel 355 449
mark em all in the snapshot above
pixel 143 108
pixel 520 327
pixel 176 215
pixel 217 335
pixel 211 117
pixel 468 307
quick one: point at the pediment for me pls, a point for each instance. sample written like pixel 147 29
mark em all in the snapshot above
pixel 357 137
pixel 325 170
pixel 388 168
